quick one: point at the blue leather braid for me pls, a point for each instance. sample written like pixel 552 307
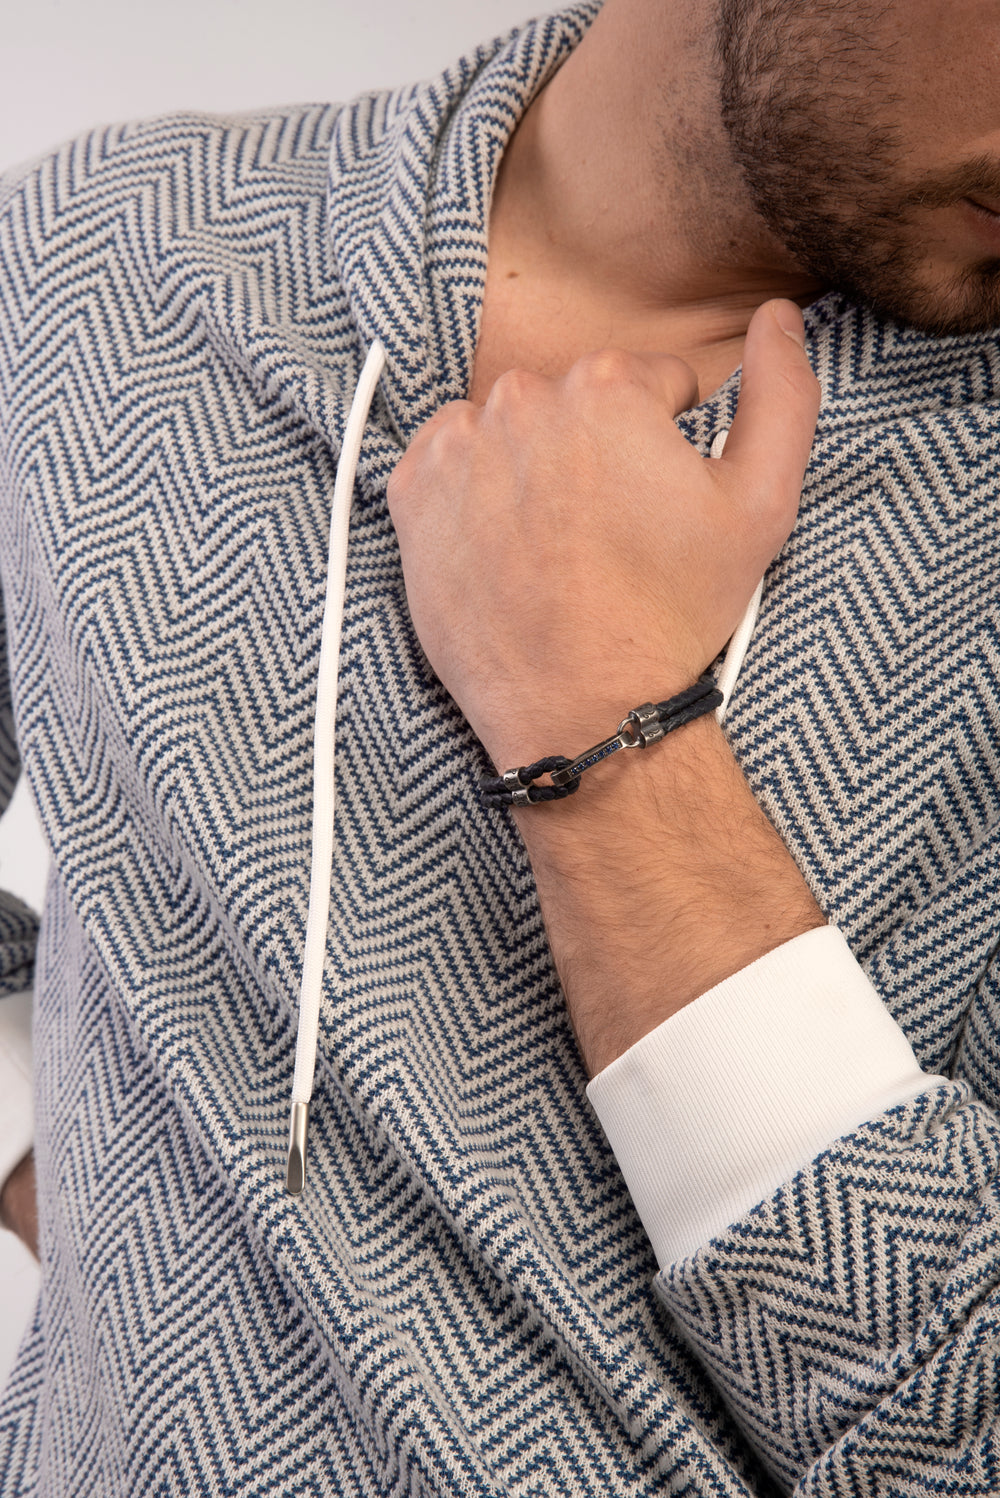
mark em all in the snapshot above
pixel 644 725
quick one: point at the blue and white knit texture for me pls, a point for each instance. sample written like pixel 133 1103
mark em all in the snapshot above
pixel 463 1301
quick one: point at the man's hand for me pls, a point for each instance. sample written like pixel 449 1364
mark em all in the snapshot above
pixel 19 1203
pixel 567 555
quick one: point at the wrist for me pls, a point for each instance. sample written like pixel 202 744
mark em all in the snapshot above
pixel 645 724
pixel 571 721
pixel 660 879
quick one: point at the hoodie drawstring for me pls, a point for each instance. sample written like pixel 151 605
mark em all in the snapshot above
pixel 740 639
pixel 324 751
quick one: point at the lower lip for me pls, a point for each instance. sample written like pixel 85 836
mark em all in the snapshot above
pixel 983 221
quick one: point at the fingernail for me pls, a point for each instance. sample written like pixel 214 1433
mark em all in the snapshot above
pixel 789 320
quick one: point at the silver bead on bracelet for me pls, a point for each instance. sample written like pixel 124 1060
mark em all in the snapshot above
pixel 644 725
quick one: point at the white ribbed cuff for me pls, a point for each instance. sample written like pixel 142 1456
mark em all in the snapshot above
pixel 713 1110
pixel 17 1113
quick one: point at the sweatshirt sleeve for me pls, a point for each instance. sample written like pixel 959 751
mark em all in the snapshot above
pixel 850 1315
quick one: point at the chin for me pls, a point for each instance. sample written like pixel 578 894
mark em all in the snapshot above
pixel 966 302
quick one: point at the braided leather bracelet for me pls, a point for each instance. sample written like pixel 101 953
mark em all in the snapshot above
pixel 643 725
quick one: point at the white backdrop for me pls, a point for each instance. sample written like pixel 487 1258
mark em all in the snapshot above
pixel 69 64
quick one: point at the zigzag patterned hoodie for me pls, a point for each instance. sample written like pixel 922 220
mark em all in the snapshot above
pixel 463 1300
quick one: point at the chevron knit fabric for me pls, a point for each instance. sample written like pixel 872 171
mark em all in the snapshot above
pixel 462 1302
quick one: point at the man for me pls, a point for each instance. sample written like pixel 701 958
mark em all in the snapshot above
pixel 460 1300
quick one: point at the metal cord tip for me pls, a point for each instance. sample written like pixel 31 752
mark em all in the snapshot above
pixel 298 1126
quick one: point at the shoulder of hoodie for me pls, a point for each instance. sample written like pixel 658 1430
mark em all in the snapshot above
pixel 188 173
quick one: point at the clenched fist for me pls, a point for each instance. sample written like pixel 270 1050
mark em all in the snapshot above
pixel 568 554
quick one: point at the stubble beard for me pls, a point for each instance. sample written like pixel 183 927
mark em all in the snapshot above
pixel 810 138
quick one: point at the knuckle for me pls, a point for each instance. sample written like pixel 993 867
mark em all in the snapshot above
pixel 512 390
pixel 603 368
pixel 677 369
pixel 455 428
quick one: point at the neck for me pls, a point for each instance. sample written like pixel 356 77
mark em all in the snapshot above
pixel 619 183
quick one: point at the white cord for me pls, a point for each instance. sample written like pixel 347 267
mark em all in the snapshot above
pixel 324 752
pixel 736 651
pixel 740 639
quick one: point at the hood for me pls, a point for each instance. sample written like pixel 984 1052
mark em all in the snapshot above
pixel 411 181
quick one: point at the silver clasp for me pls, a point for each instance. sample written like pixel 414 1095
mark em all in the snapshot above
pixel 646 725
pixel 641 727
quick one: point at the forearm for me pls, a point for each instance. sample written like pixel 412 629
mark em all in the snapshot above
pixel 659 879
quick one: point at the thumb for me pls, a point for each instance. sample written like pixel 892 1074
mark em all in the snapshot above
pixel 772 432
